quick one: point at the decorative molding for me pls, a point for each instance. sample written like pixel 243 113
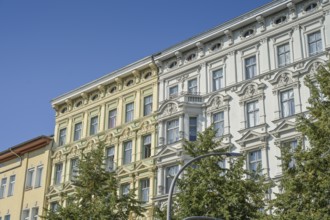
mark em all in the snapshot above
pixel 261 21
pixel 229 35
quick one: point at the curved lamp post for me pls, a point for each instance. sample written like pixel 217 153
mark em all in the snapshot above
pixel 170 193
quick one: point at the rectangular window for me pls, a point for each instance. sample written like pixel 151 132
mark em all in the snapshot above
pixel 129 112
pixel 283 55
pixel 287 103
pixel 192 128
pixel 29 178
pixel 219 123
pixel 192 86
pixel 217 79
pixel 314 43
pixel 110 159
pixel 112 118
pixel 144 184
pixel 250 67
pixel 173 131
pixel 292 146
pixel 7 217
pixel 26 214
pixel 252 112
pixel 94 125
pixel 11 186
pixel 77 131
pixel 74 168
pixel 170 174
pixel 35 213
pixel 147 108
pixel 58 173
pixel 38 176
pixel 146 145
pixel 62 137
pixel 255 162
pixel 174 91
pixel 54 206
pixel 3 187
pixel 124 189
pixel 127 152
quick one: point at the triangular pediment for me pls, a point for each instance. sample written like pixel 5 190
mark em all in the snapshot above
pixel 166 151
pixel 52 190
pixel 284 126
pixel 123 171
pixel 141 166
pixel 251 136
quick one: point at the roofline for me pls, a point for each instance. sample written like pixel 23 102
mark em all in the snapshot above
pixel 102 80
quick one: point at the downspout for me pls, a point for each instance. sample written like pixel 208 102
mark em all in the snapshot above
pixel 20 162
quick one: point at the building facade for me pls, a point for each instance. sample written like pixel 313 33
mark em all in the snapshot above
pixel 246 77
pixel 23 179
pixel 119 109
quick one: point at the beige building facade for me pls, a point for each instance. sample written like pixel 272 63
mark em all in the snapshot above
pixel 24 180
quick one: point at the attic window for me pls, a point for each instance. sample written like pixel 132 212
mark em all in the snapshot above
pixel 94 97
pixel 248 33
pixel 280 20
pixel 216 46
pixel 65 109
pixel 129 83
pixel 78 103
pixel 148 75
pixel 191 57
pixel 311 7
pixel 173 64
pixel 113 89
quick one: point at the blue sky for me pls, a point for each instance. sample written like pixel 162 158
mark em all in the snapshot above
pixel 49 47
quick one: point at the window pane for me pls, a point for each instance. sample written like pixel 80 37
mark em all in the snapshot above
pixel 58 173
pixel 38 176
pixel 146 151
pixel 110 160
pixel 94 125
pixel 218 121
pixel 172 131
pixel 77 131
pixel 192 128
pixel 62 137
pixel 170 174
pixel 250 67
pixel 3 187
pixel 127 152
pixel 144 184
pixel 287 103
pixel 112 118
pixel 147 105
pixel 217 79
pixel 192 86
pixel 129 112
pixel 173 91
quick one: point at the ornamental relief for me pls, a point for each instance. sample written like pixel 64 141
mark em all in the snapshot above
pixel 251 91
pixel 283 79
pixel 217 102
pixel 168 109
pixel 126 134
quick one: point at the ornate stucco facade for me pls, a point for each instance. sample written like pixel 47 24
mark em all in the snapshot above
pixel 247 77
pixel 119 109
pixel 24 171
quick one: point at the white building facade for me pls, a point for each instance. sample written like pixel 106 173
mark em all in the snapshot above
pixel 247 77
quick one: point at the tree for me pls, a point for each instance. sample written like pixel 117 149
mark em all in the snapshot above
pixel 209 189
pixel 306 186
pixel 96 195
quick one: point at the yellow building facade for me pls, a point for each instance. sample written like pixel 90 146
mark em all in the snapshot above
pixel 24 180
pixel 118 109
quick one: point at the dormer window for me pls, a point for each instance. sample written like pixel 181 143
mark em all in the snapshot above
pixel 148 75
pixel 173 64
pixel 248 33
pixel 215 46
pixel 280 20
pixel 113 89
pixel 129 83
pixel 94 97
pixel 191 57
pixel 79 103
pixel 311 6
pixel 65 109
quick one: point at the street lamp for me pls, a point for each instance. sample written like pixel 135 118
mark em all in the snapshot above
pixel 170 193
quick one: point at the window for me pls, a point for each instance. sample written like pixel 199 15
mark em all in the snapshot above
pixel 173 131
pixel 192 86
pixel 215 46
pixel 252 112
pixel 3 187
pixel 129 112
pixel 77 131
pixel 11 185
pixel 94 97
pixel 144 187
pixel 311 7
pixel 248 33
pixel 78 104
pixel 94 125
pixel 147 108
pixel 127 152
pixel 292 146
pixel 38 176
pixel 26 214
pixel 74 169
pixel 146 145
pixel 287 103
pixel 191 57
pixel 218 121
pixel 110 159
pixel 112 118
pixel 7 217
pixel 314 43
pixel 250 67
pixel 174 91
pixel 170 174
pixel 62 137
pixel 283 55
pixel 29 178
pixel 255 162
pixel 113 89
pixel 58 173
pixel 124 189
pixel 34 214
pixel 217 79
pixel 147 75
pixel 172 64
pixel 280 20
pixel 54 206
pixel 192 128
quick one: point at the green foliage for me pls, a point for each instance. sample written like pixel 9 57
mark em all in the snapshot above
pixel 96 195
pixel 209 190
pixel 306 186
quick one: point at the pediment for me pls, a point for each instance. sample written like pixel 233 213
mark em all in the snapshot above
pixel 68 186
pixel 141 166
pixel 217 101
pixel 123 170
pixel 251 89
pixel 284 126
pixel 252 136
pixel 53 190
pixel 313 65
pixel 168 108
pixel 166 151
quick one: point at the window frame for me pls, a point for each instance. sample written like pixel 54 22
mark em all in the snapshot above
pixel 317 42
pixel 256 161
pixel 286 54
pixel 194 127
pixel 146 147
pixel 11 185
pixel 147 105
pixel 94 125
pixel 254 112
pixel 112 120
pixel 216 83
pixel 3 185
pixel 74 164
pixel 170 177
pixel 129 112
pixel 62 137
pixel 170 92
pixel 127 157
pixel 220 122
pixel 192 88
pixel 248 66
pixel 172 130
pixel 125 186
pixel 38 179
pixel 290 101
pixel 58 173
pixel 110 158
pixel 77 131
pixel 29 178
pixel 144 188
